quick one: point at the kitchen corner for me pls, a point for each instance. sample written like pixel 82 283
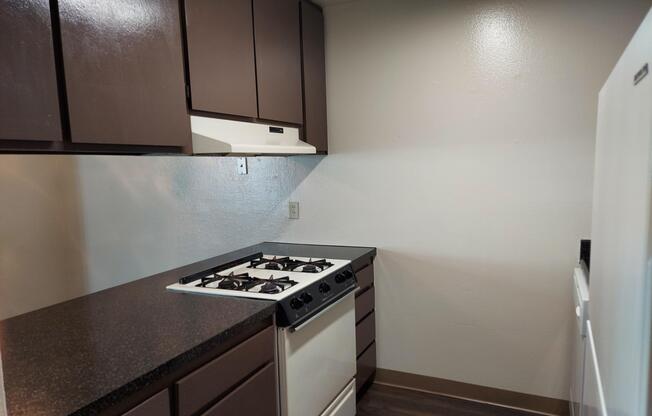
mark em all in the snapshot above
pixel 108 351
pixel 325 208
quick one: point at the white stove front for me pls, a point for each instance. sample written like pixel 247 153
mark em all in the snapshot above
pixel 317 363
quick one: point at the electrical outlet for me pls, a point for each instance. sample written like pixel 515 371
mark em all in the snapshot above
pixel 293 210
pixel 243 169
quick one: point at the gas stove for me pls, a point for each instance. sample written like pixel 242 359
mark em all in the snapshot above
pixel 302 286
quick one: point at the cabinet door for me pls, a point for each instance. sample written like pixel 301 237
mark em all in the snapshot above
pixel 278 60
pixel 157 405
pixel 29 102
pixel 314 76
pixel 221 61
pixel 256 396
pixel 124 72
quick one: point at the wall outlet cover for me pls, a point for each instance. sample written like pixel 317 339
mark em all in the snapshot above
pixel 243 169
pixel 293 210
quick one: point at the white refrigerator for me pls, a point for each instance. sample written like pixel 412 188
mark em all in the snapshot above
pixel 3 402
pixel 617 373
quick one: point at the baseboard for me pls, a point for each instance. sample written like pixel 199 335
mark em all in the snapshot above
pixel 528 402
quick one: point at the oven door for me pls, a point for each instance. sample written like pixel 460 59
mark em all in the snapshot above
pixel 317 362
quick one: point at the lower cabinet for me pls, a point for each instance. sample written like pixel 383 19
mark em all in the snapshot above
pixel 365 331
pixel 203 387
pixel 157 405
pixel 239 401
pixel 366 366
pixel 224 386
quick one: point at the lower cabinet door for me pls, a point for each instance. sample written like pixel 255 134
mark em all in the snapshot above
pixel 157 405
pixel 201 387
pixel 366 367
pixel 365 333
pixel 256 396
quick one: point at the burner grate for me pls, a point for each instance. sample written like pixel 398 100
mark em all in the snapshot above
pixel 246 283
pixel 290 265
pixel 275 263
pixel 272 285
pixel 310 266
pixel 231 281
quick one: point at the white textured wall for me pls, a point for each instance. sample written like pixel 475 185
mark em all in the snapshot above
pixel 462 138
pixel 72 225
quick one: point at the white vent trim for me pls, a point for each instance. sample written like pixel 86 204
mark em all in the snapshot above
pixel 220 136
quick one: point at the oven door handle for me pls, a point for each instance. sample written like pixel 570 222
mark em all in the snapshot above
pixel 323 311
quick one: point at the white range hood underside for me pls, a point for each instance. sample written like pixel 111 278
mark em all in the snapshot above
pixel 220 136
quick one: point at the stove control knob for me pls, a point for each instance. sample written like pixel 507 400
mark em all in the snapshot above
pixel 340 278
pixel 324 288
pixel 306 297
pixel 296 303
pixel 348 274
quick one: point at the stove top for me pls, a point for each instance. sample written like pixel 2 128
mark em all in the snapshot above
pixel 302 286
pixel 261 277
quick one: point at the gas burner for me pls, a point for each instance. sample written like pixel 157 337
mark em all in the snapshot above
pixel 310 266
pixel 232 281
pixel 272 285
pixel 228 283
pixel 290 264
pixel 275 263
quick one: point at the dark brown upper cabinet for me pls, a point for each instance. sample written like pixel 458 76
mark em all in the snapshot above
pixel 314 76
pixel 29 102
pixel 278 60
pixel 221 64
pixel 123 64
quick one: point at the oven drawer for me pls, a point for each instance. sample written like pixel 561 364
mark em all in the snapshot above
pixel 364 304
pixel 204 385
pixel 365 333
pixel 159 405
pixel 365 278
pixel 366 366
pixel 344 404
pixel 256 396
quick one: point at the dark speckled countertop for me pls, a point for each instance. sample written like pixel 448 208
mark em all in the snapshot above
pixel 87 354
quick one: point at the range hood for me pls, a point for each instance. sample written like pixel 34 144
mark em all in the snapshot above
pixel 220 136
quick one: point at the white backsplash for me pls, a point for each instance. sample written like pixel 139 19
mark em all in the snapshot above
pixel 72 225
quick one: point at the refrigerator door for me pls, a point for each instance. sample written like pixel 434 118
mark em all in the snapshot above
pixel 620 251
pixel 581 298
pixel 593 403
pixel 3 402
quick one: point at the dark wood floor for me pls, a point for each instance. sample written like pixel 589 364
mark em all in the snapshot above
pixel 391 401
